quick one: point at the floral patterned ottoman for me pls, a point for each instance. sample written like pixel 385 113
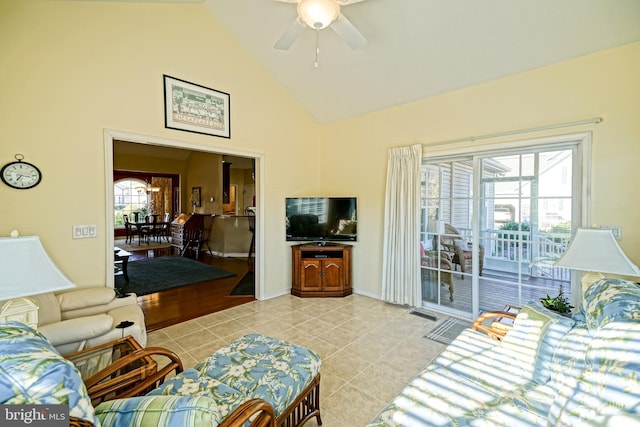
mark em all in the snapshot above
pixel 284 374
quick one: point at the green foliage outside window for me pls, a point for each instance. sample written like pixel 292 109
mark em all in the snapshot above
pixel 512 225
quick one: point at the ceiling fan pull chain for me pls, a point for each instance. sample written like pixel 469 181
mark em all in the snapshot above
pixel 317 46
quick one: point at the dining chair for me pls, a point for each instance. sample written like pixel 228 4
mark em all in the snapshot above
pixel 131 230
pixel 164 228
pixel 192 235
pixel 146 229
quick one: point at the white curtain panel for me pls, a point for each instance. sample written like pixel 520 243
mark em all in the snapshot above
pixel 401 282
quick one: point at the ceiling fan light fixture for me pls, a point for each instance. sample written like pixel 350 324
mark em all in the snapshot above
pixel 318 14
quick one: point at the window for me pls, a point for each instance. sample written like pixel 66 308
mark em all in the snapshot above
pixel 129 196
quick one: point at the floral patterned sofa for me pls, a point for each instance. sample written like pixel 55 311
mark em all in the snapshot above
pixel 548 370
pixel 252 375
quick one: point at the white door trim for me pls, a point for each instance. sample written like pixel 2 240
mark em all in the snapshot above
pixel 111 135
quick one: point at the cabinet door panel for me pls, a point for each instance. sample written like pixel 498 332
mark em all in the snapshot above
pixel 333 274
pixel 311 276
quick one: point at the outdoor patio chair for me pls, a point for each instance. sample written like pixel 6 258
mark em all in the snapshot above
pixel 431 259
pixel 453 242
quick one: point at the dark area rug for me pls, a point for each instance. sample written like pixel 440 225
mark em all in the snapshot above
pixel 448 330
pixel 150 275
pixel 246 286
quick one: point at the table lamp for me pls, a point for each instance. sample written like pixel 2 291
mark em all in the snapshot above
pixel 596 251
pixel 26 270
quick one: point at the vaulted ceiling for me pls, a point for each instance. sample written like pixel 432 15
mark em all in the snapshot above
pixel 420 48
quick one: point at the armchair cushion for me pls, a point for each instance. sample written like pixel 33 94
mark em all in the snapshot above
pixel 608 385
pixel 81 298
pixel 90 310
pixel 263 367
pixel 191 383
pixel 80 329
pixel 88 317
pixel 146 411
pixel 48 308
pixel 33 372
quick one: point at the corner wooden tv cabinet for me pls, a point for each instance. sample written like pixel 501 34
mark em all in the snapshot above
pixel 321 270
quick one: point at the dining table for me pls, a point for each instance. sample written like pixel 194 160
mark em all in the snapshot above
pixel 153 228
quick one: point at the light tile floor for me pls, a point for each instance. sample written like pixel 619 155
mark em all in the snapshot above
pixel 370 349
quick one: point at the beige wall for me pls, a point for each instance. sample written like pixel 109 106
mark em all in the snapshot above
pixel 605 84
pixel 142 163
pixel 69 70
pixel 204 170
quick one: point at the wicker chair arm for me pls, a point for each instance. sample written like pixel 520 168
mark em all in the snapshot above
pixel 109 383
pixel 451 247
pixel 263 412
pixel 497 329
pixel 79 422
pixel 443 255
pixel 431 257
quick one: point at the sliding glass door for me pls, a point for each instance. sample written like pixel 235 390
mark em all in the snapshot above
pixel 494 223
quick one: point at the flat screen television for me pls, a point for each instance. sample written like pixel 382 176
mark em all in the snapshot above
pixel 321 219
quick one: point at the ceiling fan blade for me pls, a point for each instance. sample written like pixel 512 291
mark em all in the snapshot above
pixel 290 35
pixel 350 34
pixel 342 2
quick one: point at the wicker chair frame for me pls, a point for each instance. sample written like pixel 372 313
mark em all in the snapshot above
pixel 448 242
pixel 115 382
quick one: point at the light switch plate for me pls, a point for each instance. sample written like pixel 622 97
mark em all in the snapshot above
pixel 85 231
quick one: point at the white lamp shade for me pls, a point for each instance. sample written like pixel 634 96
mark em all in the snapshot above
pixel 597 250
pixel 318 14
pixel 26 269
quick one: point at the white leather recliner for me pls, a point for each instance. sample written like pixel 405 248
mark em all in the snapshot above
pixel 86 317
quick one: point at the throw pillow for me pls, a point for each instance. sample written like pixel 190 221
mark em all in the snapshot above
pixel 33 372
pixel 463 244
pixel 536 333
pixel 610 300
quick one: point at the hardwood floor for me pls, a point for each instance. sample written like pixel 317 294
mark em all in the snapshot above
pixel 177 305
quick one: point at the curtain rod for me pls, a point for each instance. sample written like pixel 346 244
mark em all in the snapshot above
pixel 515 132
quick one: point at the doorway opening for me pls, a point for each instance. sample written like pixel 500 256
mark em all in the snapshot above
pixel 256 159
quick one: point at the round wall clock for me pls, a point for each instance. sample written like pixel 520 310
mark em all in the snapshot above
pixel 20 175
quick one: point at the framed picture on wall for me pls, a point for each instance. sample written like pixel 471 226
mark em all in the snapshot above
pixel 196 198
pixel 194 108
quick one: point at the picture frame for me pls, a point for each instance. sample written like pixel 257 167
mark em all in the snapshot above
pixel 196 196
pixel 194 108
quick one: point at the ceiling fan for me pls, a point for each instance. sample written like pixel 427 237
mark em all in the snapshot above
pixel 319 14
